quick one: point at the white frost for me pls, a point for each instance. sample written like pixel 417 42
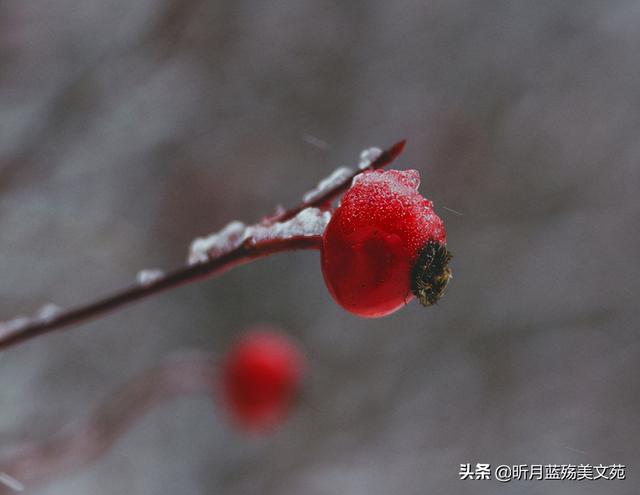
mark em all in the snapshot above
pixel 10 482
pixel 337 177
pixel 48 312
pixel 309 222
pixel 45 314
pixel 217 243
pixel 147 277
pixel 14 325
pixel 368 156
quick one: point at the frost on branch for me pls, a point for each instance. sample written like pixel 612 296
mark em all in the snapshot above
pixel 337 177
pixel 44 315
pixel 218 243
pixel 308 223
pixel 48 312
pixel 368 156
pixel 147 277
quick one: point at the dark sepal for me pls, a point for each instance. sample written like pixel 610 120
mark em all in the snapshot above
pixel 431 273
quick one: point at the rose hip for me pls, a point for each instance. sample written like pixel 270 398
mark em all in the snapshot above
pixel 383 245
pixel 260 377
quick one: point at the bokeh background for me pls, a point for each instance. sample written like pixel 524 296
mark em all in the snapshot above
pixel 128 127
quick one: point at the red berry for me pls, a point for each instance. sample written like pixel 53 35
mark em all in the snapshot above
pixel 260 377
pixel 383 245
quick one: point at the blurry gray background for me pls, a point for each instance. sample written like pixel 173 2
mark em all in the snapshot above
pixel 128 127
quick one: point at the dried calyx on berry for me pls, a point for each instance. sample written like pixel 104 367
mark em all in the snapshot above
pixel 431 273
pixel 384 244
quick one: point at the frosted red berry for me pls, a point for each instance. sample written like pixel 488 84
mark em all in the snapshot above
pixel 383 245
pixel 260 377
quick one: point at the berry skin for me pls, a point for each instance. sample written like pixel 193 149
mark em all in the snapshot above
pixel 383 245
pixel 260 377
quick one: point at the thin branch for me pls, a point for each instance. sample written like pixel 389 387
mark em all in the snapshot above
pixel 87 440
pixel 12 334
pixel 191 273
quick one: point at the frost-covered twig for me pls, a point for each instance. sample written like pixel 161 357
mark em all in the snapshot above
pixel 382 159
pixel 87 440
pixel 300 227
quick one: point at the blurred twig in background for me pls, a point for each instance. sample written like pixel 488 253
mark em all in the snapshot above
pixel 88 439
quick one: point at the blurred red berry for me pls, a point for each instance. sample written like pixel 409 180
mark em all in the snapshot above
pixel 383 245
pixel 260 377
